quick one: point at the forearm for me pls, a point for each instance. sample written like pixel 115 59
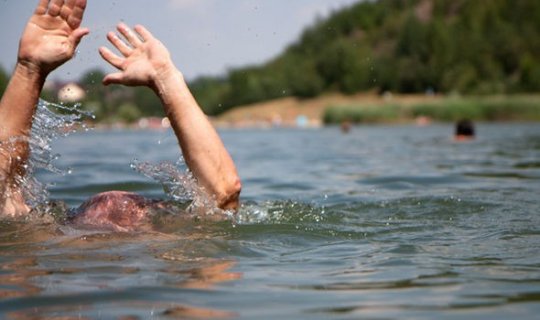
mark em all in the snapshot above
pixel 19 102
pixel 203 150
pixel 144 60
pixel 17 108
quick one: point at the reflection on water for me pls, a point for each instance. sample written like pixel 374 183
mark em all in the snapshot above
pixel 62 275
pixel 382 223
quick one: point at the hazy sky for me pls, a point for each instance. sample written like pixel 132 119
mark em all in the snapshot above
pixel 205 37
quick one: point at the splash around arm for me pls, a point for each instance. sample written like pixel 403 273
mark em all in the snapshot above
pixel 145 61
pixel 49 40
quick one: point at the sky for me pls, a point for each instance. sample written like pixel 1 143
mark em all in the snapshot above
pixel 205 37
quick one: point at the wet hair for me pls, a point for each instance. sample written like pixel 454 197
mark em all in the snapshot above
pixel 113 210
pixel 465 128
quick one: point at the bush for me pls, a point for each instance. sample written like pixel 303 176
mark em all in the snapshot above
pixel 4 79
pixel 505 108
pixel 362 114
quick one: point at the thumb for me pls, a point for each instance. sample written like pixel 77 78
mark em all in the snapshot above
pixel 77 35
pixel 113 78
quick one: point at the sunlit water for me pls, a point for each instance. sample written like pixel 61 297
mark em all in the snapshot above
pixel 385 222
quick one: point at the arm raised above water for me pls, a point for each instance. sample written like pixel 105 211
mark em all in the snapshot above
pixel 145 61
pixel 49 40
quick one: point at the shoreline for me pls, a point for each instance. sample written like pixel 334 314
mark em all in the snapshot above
pixel 366 108
pixel 370 108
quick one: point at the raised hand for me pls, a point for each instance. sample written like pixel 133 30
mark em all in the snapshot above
pixel 52 34
pixel 143 60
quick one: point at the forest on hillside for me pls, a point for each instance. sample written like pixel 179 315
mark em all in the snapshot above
pixel 402 46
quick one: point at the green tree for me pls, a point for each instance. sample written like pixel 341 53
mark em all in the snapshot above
pixel 96 94
pixel 4 79
pixel 460 46
pixel 345 66
pixel 530 73
pixel 128 112
pixel 211 93
pixel 301 76
pixel 146 102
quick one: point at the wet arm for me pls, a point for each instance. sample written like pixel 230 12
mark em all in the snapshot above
pixel 49 40
pixel 16 111
pixel 202 147
pixel 144 61
pixel 19 102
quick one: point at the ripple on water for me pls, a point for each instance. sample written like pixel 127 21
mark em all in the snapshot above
pixel 445 245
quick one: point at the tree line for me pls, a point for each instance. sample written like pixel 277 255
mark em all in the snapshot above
pixel 404 46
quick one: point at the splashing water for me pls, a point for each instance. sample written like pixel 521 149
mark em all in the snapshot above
pixel 180 185
pixel 280 212
pixel 51 121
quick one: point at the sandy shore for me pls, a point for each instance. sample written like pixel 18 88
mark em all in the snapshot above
pixel 293 112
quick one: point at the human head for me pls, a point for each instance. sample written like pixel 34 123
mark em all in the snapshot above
pixel 464 130
pixel 113 210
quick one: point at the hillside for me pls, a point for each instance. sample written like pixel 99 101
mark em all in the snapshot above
pixel 469 47
pixel 402 46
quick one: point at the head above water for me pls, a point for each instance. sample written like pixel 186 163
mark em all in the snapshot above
pixel 464 130
pixel 113 210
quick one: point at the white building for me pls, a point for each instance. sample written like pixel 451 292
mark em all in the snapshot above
pixel 71 93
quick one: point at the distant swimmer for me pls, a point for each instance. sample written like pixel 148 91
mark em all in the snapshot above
pixel 464 130
pixel 49 40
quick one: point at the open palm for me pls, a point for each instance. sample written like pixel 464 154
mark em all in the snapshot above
pixel 143 58
pixel 52 34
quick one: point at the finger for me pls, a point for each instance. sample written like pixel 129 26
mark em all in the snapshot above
pixel 65 12
pixel 144 33
pixel 54 7
pixel 113 78
pixel 70 4
pixel 111 58
pixel 119 44
pixel 130 36
pixel 42 7
pixel 77 13
pixel 67 9
pixel 77 36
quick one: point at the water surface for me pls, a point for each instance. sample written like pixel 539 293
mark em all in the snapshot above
pixel 382 223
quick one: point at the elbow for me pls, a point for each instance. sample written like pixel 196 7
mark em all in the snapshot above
pixel 229 198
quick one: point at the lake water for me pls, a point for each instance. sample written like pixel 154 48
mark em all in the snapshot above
pixel 386 222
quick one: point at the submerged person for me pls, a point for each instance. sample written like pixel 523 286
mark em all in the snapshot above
pixel 50 39
pixel 464 130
